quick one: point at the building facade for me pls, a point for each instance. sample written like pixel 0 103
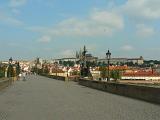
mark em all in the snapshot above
pixel 118 61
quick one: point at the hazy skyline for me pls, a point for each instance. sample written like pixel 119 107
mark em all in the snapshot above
pixel 59 28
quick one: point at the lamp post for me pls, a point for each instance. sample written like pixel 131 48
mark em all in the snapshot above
pixel 10 70
pixel 108 55
pixel 56 66
pixel 67 70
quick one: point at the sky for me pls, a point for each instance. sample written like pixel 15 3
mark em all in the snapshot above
pixel 59 28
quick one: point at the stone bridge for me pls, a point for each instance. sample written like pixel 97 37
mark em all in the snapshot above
pixel 41 98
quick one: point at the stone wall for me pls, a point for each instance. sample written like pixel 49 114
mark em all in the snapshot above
pixel 150 94
pixel 54 77
pixel 4 83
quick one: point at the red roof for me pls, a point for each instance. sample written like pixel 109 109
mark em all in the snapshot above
pixel 142 73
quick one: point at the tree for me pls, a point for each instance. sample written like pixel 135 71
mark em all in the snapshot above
pixel 70 63
pixel 99 63
pixel 75 72
pixel 60 62
pixel 130 63
pixel 103 72
pixel 115 74
pixel 46 70
pixel 91 63
pixel 2 71
pixel 77 62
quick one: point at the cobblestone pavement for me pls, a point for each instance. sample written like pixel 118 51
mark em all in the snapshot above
pixel 41 98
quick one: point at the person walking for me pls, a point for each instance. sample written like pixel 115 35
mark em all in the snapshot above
pixel 24 76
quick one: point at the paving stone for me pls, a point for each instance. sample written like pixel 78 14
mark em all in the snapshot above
pixel 41 98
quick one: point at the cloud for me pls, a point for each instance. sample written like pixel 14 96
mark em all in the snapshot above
pixel 127 48
pixel 91 47
pixel 154 49
pixel 98 23
pixel 144 31
pixel 16 11
pixel 48 49
pixel 142 9
pixel 10 20
pixel 45 39
pixel 11 44
pixel 75 27
pixel 17 3
pixel 67 53
pixel 109 19
pixel 38 29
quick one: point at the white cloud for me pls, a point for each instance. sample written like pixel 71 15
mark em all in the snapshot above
pixel 142 9
pixel 144 31
pixel 45 39
pixel 9 20
pixel 11 44
pixel 48 49
pixel 127 48
pixel 38 29
pixel 98 23
pixel 75 27
pixel 17 3
pixel 154 49
pixel 91 47
pixel 109 19
pixel 16 11
pixel 67 53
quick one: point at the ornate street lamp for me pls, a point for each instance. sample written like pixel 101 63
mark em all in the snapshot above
pixel 108 55
pixel 67 70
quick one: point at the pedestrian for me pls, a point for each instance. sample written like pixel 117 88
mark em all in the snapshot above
pixel 24 76
pixel 19 76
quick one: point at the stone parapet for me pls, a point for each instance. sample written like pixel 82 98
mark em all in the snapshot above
pixel 146 93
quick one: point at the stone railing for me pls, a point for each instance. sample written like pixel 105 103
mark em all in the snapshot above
pixel 54 77
pixel 5 83
pixel 147 93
